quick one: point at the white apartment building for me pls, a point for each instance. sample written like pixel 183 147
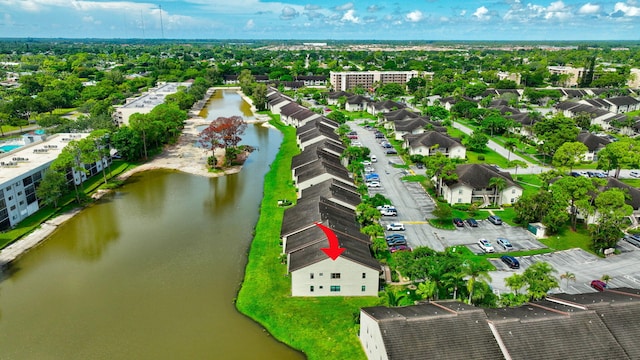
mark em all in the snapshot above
pixel 22 169
pixel 345 80
pixel 144 103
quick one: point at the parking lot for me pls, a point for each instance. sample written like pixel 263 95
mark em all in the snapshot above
pixel 414 206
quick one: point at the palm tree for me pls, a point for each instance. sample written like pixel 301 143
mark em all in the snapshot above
pixel 568 276
pixel 517 164
pixel 605 278
pixel 510 145
pixel 427 289
pixel 476 273
pixel 498 184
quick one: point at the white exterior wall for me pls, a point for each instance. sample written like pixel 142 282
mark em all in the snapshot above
pixel 316 180
pixel 353 277
pixel 510 195
pixel 457 194
pixel 458 152
pixel 371 338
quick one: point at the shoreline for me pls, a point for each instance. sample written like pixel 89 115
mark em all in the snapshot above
pixel 182 156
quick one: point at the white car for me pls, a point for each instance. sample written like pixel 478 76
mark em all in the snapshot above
pixel 366 163
pixel 635 174
pixel 356 143
pixel 373 184
pixel 369 169
pixel 395 227
pixel 486 246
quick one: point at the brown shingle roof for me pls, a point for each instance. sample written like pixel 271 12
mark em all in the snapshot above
pixel 478 176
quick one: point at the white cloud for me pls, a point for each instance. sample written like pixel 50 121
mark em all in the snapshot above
pixel 373 8
pixel 463 12
pixel 345 7
pixel 627 10
pixel 415 16
pixel 289 13
pixel 482 13
pixel 249 25
pixel 349 16
pixel 589 8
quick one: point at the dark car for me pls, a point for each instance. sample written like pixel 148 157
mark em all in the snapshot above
pixel 510 261
pixel 598 285
pixel 472 222
pixel 396 242
pixel 420 165
pixel 575 174
pixel 495 220
pixel 458 222
pixel 392 152
pixel 633 239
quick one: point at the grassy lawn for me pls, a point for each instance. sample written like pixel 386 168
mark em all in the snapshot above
pixel 632 182
pixel 568 239
pixel 490 157
pixel 531 179
pixel 321 327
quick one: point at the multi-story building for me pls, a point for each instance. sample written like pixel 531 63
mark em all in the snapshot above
pixel 345 80
pixel 22 169
pixel 570 75
pixel 144 103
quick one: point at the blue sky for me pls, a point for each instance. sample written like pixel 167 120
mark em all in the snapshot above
pixel 323 20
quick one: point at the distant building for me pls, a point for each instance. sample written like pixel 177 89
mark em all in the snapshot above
pixel 572 75
pixel 144 103
pixel 634 79
pixel 22 169
pixel 345 80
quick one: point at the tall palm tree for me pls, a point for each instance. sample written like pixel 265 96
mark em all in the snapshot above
pixel 568 276
pixel 475 273
pixel 510 145
pixel 498 184
pixel 427 290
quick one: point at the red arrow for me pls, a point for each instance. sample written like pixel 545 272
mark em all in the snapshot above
pixel 334 250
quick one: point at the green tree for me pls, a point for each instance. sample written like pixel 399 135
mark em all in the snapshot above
pixel 476 274
pixel 442 211
pixel 539 280
pixel 69 161
pixel 260 96
pixel 619 154
pixel 247 81
pixel 612 211
pixel 569 154
pixel 391 90
pixel 510 145
pixel 496 124
pixel 427 290
pixel 477 141
pixel 52 187
pixel 517 164
pixel 515 282
pixel 534 207
pixel 575 190
pixel 555 131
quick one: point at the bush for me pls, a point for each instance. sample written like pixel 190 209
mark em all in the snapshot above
pixel 461 207
pixel 481 157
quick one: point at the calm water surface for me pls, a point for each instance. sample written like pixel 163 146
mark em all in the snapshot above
pixel 149 272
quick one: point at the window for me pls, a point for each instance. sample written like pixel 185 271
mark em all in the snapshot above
pixel 311 276
pixel 364 275
pixel 460 191
pixel 311 288
pixel 320 274
pixel 335 275
pixel 513 200
pixel 513 191
pixel 459 200
pixel 363 288
pixel 335 288
pixel 13 207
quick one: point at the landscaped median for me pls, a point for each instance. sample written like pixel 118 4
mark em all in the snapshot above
pixel 321 327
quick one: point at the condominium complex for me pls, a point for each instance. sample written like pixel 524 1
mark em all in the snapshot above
pixel 345 80
pixel 22 169
pixel 144 103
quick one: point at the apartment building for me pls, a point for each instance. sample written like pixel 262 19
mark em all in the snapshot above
pixel 144 103
pixel 22 169
pixel 345 80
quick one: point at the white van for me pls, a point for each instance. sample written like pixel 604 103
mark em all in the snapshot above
pixel 373 158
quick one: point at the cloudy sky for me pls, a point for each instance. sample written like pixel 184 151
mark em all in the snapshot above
pixel 323 20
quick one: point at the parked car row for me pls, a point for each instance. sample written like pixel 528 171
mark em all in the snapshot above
pixel 598 174
pixel 474 223
pixel 397 242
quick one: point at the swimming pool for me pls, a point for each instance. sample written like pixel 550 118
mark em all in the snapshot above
pixel 7 148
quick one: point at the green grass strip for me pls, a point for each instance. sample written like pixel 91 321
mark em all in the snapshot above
pixel 321 327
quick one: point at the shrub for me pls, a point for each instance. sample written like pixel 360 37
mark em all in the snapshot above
pixel 481 157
